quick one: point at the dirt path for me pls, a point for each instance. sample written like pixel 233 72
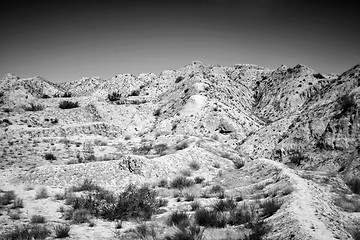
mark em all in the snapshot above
pixel 302 206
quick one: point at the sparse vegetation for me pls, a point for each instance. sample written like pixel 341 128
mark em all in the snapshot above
pixel 41 193
pixel 239 163
pixel 7 110
pixel 216 189
pixel 181 182
pixel 160 148
pixel 181 145
pixel 318 76
pixel 136 202
pixel 195 205
pixel 28 232
pixel 270 207
pixel 68 105
pixel 45 96
pixel 258 229
pixel 354 185
pixel 34 107
pixel 59 196
pixel 14 215
pixel 162 202
pixel 346 103
pixel 157 112
pixel 239 198
pixel 67 95
pixel 118 225
pixel 37 219
pixel 143 149
pixel 18 203
pixel 115 96
pixel 163 183
pixel 216 165
pixel 189 232
pixel 62 231
pixel 133 202
pixel 297 158
pixel 135 92
pixel 348 203
pixel 49 156
pixel 186 172
pixel 241 215
pixel 189 197
pixel 179 79
pixel 87 185
pixel 178 218
pixel 145 232
pixel 194 165
pixel 80 216
pixel 7 197
pixel 355 233
pixel 199 180
pixel 225 205
pixel 209 218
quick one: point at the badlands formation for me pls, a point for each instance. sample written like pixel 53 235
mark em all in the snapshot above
pixel 202 152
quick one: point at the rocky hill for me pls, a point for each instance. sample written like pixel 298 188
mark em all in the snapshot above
pixel 288 134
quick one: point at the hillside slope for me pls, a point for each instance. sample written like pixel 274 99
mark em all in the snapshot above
pixel 281 142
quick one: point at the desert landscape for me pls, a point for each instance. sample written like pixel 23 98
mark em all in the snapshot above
pixel 201 152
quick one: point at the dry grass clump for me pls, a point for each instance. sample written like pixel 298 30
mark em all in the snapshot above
pixel 346 102
pixel 181 182
pixel 80 216
pixel 210 218
pixel 37 219
pixel 133 203
pixel 115 96
pixel 41 193
pixel 194 165
pixel 178 218
pixel 163 183
pixel 216 189
pixel 49 156
pixel 270 207
pixel 86 185
pixel 225 205
pixel 160 148
pixel 68 105
pixel 241 215
pixel 62 231
pixel 195 205
pixel 28 232
pixel 7 197
pixel 199 180
pixel 191 232
pixel 18 203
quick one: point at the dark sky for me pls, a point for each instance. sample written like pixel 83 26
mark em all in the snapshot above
pixel 64 41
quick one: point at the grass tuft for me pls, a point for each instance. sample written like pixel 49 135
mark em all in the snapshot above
pixel 181 182
pixel 62 231
pixel 209 218
pixel 41 193
pixel 178 218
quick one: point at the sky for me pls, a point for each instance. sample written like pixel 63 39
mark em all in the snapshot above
pixel 64 41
